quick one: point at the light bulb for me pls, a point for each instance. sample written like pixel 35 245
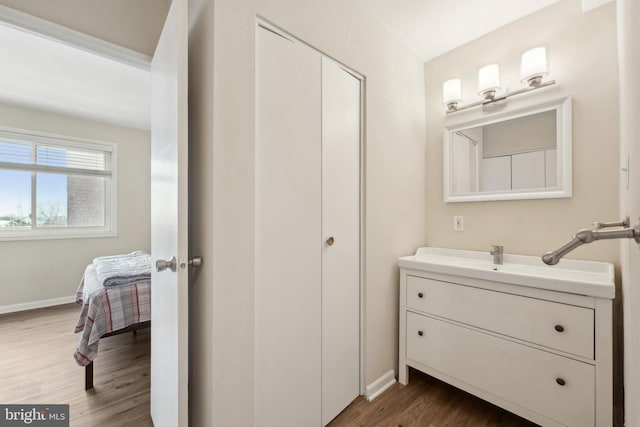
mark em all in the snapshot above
pixel 488 80
pixel 534 66
pixel 451 93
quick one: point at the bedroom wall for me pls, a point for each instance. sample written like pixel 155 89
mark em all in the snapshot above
pixel 37 272
pixel 222 64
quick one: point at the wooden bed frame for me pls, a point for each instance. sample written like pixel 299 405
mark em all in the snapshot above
pixel 88 370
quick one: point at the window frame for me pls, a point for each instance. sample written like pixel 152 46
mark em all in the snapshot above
pixel 110 228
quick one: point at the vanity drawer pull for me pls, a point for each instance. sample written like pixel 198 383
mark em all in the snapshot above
pixel 560 381
pixel 420 333
pixel 559 328
pixel 420 294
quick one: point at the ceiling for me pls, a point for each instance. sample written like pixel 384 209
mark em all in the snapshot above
pixel 430 28
pixel 38 72
pixel 134 24
pixel 42 74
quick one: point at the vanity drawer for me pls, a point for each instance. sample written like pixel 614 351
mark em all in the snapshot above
pixel 520 374
pixel 560 326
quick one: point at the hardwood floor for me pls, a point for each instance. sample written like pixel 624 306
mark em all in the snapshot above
pixel 426 402
pixel 37 367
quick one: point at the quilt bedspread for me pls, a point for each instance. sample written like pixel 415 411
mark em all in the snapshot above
pixel 107 310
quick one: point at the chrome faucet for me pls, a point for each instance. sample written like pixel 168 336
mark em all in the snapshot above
pixel 497 252
pixel 587 236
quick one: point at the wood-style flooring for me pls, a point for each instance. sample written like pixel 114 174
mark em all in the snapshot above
pixel 426 402
pixel 37 367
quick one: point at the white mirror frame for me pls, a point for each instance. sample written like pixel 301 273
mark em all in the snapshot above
pixel 563 144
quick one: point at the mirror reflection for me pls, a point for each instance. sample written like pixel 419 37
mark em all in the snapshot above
pixel 511 155
pixel 517 156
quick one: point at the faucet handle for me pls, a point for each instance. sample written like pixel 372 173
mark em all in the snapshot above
pixel 496 249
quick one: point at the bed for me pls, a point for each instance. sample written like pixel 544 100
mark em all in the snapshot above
pixel 113 302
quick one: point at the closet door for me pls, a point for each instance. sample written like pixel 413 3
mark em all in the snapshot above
pixel 288 249
pixel 528 170
pixel 341 223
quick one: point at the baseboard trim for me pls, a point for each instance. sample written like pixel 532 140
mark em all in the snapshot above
pixel 36 304
pixel 377 387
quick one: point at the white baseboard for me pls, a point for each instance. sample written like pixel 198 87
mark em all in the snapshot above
pixel 36 304
pixel 377 387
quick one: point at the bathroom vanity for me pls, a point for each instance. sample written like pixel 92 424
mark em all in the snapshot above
pixel 533 339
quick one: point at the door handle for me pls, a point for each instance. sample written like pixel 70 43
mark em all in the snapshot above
pixel 196 262
pixel 162 265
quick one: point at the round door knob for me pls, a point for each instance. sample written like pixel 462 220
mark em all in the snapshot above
pixel 559 328
pixel 330 241
pixel 420 294
pixel 560 381
pixel 162 265
pixel 420 333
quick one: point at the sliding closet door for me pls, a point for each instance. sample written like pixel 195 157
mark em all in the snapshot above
pixel 288 226
pixel 341 223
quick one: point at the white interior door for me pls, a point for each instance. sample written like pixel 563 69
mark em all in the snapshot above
pixel 341 223
pixel 288 226
pixel 528 170
pixel 496 173
pixel 169 238
pixel 465 174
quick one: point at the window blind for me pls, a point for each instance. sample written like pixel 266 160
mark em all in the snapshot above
pixel 31 155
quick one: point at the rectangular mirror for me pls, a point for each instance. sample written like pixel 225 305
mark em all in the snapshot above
pixel 523 154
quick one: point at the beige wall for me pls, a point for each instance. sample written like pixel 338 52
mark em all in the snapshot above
pixel 35 270
pixel 582 58
pixel 395 178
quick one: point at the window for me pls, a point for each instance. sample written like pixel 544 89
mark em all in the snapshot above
pixel 52 187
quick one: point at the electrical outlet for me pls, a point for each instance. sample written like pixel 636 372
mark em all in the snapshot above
pixel 458 223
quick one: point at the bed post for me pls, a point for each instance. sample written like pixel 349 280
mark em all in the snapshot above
pixel 88 376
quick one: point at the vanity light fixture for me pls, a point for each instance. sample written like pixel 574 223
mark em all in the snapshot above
pixel 451 94
pixel 534 66
pixel 488 81
pixel 533 69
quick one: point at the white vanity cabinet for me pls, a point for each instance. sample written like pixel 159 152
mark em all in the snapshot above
pixel 511 334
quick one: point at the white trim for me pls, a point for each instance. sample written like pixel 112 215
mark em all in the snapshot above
pixel 52 31
pixel 60 233
pixel 363 236
pixel 377 387
pixel 4 309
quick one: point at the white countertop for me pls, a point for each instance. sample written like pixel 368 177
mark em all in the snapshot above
pixel 590 278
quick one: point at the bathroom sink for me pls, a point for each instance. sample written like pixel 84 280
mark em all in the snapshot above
pixel 589 278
